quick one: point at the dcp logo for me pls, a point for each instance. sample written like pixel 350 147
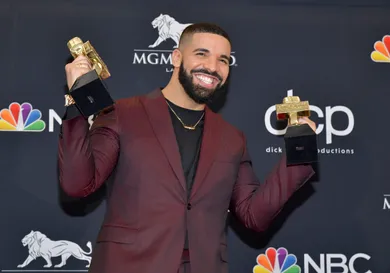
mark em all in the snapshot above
pixel 327 116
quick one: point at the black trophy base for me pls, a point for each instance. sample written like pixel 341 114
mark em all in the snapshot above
pixel 90 94
pixel 301 145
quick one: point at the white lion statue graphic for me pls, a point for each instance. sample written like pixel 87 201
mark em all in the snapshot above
pixel 40 246
pixel 167 27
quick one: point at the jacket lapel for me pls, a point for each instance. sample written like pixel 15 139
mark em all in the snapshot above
pixel 210 143
pixel 160 120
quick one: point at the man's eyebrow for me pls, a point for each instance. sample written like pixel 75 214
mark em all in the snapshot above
pixel 201 49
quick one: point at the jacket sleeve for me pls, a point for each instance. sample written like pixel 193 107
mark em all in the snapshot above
pixel 255 204
pixel 86 157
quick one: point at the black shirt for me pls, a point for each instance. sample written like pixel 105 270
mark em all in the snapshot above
pixel 189 142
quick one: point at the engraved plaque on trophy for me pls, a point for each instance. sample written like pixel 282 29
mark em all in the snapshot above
pixel 89 91
pixel 300 139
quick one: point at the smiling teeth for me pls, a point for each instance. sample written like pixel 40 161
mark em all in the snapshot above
pixel 205 79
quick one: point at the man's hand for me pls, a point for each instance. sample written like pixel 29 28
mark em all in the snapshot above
pixel 77 68
pixel 306 120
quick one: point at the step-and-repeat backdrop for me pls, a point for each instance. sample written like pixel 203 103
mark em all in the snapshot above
pixel 334 56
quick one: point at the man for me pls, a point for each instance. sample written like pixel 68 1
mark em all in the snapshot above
pixel 177 167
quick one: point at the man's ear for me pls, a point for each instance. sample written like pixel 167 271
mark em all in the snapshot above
pixel 176 58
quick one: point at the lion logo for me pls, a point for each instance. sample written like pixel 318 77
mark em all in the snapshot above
pixel 168 28
pixel 40 246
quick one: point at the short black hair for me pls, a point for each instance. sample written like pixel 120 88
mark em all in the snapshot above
pixel 203 28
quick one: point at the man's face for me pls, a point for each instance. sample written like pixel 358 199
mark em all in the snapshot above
pixel 205 66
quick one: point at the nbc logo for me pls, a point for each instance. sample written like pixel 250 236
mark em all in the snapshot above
pixel 21 118
pixel 382 50
pixel 276 261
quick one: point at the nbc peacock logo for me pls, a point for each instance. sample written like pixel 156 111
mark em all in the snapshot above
pixel 276 261
pixel 381 54
pixel 21 118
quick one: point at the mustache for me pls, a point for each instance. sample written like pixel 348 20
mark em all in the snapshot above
pixel 204 71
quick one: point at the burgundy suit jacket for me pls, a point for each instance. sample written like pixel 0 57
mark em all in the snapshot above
pixel 147 210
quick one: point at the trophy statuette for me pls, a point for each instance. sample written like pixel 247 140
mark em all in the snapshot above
pixel 89 93
pixel 300 139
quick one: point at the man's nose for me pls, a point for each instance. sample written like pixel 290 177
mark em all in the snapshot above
pixel 211 64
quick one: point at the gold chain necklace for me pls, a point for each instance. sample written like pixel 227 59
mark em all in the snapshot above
pixel 184 125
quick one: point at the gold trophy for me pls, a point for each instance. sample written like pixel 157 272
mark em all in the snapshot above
pixel 300 139
pixel 89 92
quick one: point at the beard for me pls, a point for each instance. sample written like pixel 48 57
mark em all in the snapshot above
pixel 197 93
